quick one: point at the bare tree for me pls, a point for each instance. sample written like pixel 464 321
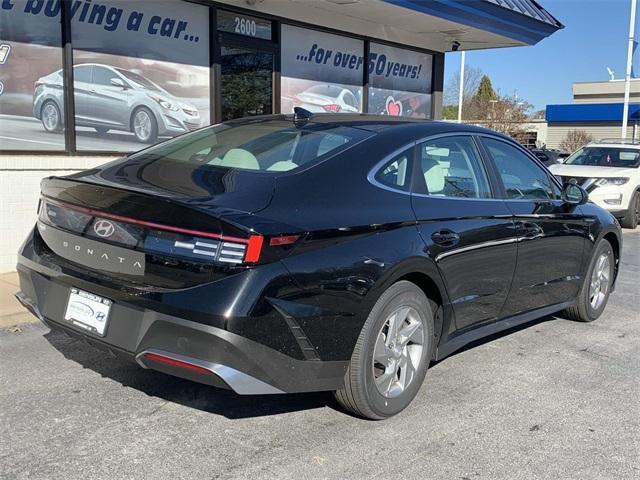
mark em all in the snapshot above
pixel 472 76
pixel 538 115
pixel 575 139
pixel 507 115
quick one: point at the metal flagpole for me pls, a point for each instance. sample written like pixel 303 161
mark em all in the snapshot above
pixel 461 92
pixel 627 79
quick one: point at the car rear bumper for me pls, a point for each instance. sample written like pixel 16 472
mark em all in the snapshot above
pixel 179 346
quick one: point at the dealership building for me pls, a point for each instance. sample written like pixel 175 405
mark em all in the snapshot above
pixel 85 81
pixel 597 109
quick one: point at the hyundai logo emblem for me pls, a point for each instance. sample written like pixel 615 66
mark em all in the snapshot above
pixel 104 228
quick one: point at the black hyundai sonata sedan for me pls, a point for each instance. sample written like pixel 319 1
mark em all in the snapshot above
pixel 314 252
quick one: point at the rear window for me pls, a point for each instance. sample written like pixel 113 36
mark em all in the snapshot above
pixel 328 90
pixel 605 157
pixel 268 146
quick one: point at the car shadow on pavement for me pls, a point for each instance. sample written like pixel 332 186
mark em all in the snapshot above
pixel 183 392
pixel 207 398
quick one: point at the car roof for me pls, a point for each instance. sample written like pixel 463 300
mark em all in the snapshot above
pixel 621 146
pixel 377 123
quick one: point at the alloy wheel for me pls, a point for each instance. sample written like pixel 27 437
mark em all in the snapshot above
pixel 142 125
pixel 600 280
pixel 50 117
pixel 398 352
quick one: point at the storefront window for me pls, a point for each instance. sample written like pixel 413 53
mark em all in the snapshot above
pixel 31 80
pixel 246 82
pixel 399 82
pixel 321 72
pixel 141 72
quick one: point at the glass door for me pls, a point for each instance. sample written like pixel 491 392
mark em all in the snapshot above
pixel 246 81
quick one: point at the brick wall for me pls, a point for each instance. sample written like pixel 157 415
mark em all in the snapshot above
pixel 20 177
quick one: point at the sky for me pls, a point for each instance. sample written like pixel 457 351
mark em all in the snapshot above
pixel 595 37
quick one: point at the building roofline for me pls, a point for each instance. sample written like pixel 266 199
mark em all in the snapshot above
pixel 501 17
pixel 590 112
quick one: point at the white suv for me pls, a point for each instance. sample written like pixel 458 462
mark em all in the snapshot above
pixel 608 170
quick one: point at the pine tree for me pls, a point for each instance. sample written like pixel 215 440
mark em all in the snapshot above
pixel 485 91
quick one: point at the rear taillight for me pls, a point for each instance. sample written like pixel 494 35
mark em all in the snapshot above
pixel 254 248
pixel 277 246
pixel 167 240
pixel 332 107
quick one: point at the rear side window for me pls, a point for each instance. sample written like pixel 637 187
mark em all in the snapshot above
pixel 328 90
pixel 396 172
pixel 452 167
pixel 269 146
pixel 521 176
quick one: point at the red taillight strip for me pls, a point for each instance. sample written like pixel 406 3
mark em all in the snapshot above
pixel 253 248
pixel 144 223
pixel 176 363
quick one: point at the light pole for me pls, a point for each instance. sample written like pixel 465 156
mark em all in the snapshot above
pixel 627 78
pixel 461 92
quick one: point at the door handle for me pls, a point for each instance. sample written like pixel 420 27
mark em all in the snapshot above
pixel 445 238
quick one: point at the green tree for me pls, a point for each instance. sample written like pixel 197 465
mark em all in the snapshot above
pixel 485 92
pixel 450 112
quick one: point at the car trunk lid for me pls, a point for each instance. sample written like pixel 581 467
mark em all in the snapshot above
pixel 162 233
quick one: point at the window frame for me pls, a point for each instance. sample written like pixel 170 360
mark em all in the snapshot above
pixel 536 161
pixel 419 188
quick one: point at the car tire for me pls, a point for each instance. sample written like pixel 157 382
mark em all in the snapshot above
pixel 596 288
pixel 632 216
pixel 101 130
pixel 386 371
pixel 144 125
pixel 51 117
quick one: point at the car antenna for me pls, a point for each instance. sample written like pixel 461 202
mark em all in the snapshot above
pixel 301 116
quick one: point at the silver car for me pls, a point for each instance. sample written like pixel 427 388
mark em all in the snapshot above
pixel 111 98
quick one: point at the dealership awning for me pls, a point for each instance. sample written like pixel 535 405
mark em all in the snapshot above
pixel 590 112
pixel 434 24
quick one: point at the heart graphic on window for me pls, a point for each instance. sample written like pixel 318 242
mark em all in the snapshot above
pixel 394 108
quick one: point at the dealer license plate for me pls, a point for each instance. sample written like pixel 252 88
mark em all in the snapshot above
pixel 88 311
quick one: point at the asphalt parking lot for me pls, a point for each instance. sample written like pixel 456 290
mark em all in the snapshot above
pixel 554 400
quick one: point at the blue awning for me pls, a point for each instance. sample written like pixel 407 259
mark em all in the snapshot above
pixel 590 112
pixel 522 20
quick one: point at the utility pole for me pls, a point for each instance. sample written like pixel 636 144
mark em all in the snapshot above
pixel 461 85
pixel 627 79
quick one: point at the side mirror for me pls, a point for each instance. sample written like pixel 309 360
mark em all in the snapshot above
pixel 117 82
pixel 574 194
